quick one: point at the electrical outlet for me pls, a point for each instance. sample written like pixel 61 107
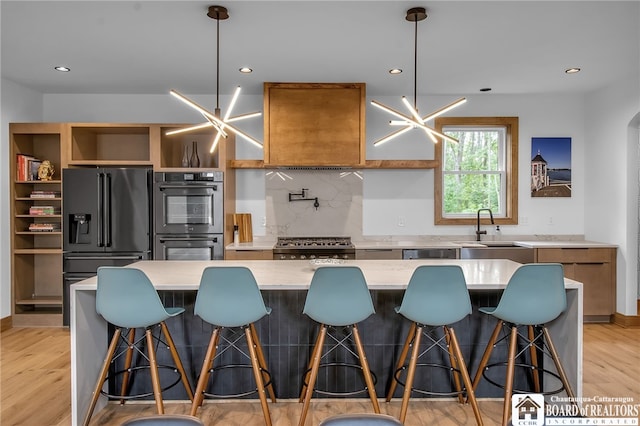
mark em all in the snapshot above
pixel 550 221
pixel 264 221
pixel 400 220
pixel 524 220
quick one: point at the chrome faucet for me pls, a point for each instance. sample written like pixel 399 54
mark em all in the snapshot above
pixel 478 231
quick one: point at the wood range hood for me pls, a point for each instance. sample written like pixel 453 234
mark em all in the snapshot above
pixel 314 124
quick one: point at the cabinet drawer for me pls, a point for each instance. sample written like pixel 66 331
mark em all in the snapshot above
pixel 575 255
pixel 249 254
pixel 367 254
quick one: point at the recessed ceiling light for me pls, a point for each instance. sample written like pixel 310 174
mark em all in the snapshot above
pixel 245 70
pixel 62 68
pixel 485 89
pixel 395 71
pixel 572 70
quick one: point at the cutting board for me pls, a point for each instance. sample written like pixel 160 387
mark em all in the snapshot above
pixel 245 231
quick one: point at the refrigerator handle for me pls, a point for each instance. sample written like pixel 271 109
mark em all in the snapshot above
pixel 100 210
pixel 107 209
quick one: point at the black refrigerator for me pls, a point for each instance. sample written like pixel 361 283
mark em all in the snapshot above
pixel 106 221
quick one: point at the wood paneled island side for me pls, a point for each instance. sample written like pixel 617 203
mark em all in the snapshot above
pixel 284 283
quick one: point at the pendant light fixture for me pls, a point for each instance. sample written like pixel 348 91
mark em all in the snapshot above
pixel 408 122
pixel 220 125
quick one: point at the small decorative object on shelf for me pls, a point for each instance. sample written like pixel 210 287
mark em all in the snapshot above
pixel 45 170
pixel 42 210
pixel 185 156
pixel 195 160
pixel 44 227
pixel 44 194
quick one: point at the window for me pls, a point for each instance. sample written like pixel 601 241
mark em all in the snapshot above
pixel 481 171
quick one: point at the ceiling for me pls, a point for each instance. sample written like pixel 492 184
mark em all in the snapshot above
pixel 149 47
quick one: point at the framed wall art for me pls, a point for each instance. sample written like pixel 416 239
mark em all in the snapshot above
pixel 551 167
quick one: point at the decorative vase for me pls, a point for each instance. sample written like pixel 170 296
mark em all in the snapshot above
pixel 195 160
pixel 185 156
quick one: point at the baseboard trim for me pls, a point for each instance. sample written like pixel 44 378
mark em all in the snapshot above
pixel 6 323
pixel 626 321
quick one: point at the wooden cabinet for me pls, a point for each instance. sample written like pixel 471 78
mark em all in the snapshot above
pixel 109 144
pixel 248 255
pixel 314 124
pixel 366 254
pixel 36 228
pixel 595 268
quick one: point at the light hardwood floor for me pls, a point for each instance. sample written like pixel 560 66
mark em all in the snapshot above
pixel 35 387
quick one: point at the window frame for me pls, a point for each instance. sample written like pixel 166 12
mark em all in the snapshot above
pixel 510 124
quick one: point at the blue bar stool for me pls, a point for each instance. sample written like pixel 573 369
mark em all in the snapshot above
pixel 164 420
pixel 338 298
pixel 360 420
pixel 436 296
pixel 229 298
pixel 534 296
pixel 127 299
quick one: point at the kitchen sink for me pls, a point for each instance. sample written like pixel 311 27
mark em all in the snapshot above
pixel 499 244
pixel 496 250
pixel 486 244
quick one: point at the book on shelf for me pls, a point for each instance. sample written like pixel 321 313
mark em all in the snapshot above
pixel 44 227
pixel 27 167
pixel 45 194
pixel 42 210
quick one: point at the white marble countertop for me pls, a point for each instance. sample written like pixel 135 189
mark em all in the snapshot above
pixel 564 244
pixel 422 244
pixel 405 244
pixel 296 274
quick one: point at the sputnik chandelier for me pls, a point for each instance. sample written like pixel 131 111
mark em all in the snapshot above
pixel 413 121
pixel 220 125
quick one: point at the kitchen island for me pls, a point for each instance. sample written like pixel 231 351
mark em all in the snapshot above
pixel 287 335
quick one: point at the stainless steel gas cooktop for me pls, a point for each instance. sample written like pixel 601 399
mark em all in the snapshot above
pixel 292 248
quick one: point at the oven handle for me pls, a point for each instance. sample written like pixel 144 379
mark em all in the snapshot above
pixel 213 186
pixel 133 257
pixel 189 238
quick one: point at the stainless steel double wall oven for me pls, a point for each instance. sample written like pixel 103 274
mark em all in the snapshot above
pixel 189 215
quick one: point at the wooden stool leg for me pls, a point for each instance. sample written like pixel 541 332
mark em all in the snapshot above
pixel 410 374
pixel 365 370
pixel 471 396
pixel 315 365
pixel 177 361
pixel 316 347
pixel 103 375
pixel 401 360
pixel 454 365
pixel 155 376
pixel 257 373
pixel 127 364
pixel 508 388
pixel 262 361
pixel 487 354
pixel 534 359
pixel 204 372
pixel 556 360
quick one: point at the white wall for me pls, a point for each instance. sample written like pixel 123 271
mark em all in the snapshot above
pixel 18 104
pixel 611 207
